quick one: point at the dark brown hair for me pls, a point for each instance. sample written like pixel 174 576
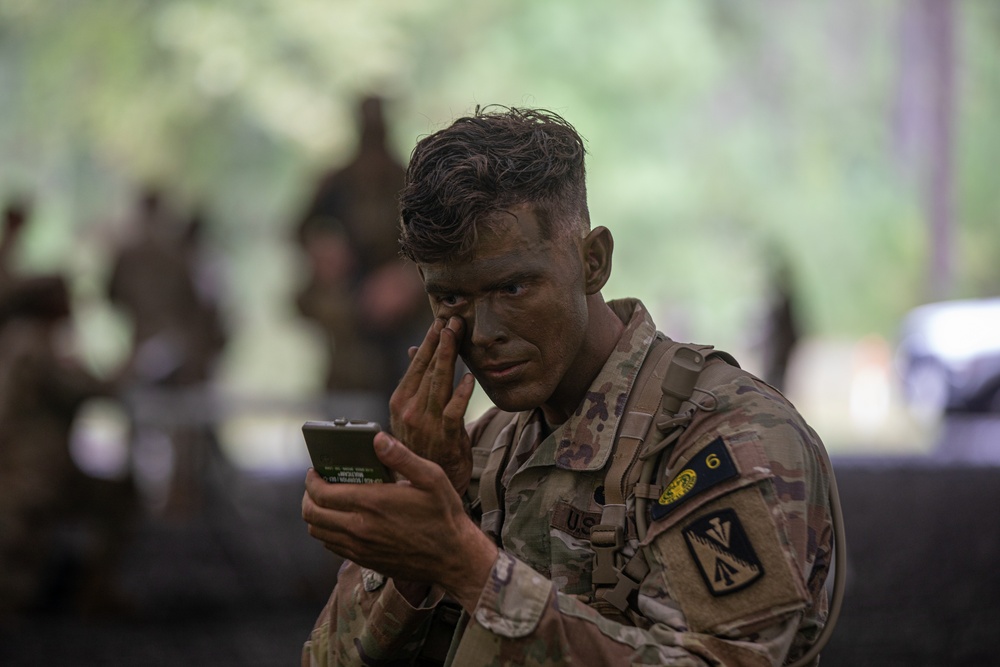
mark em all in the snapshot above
pixel 461 177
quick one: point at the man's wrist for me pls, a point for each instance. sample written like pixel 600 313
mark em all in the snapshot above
pixel 461 480
pixel 466 584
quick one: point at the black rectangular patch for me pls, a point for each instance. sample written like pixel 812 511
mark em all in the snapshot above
pixel 706 469
pixel 721 549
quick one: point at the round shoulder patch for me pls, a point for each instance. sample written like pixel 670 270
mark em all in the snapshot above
pixel 679 487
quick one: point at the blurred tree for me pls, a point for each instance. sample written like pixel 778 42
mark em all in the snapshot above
pixel 924 122
pixel 712 125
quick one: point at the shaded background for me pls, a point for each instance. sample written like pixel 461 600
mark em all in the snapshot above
pixel 853 142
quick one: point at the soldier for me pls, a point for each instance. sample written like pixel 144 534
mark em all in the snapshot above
pixel 366 300
pixel 781 328
pixel 713 549
pixel 15 214
pixel 42 490
pixel 178 335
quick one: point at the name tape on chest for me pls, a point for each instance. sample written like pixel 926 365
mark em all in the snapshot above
pixel 574 521
pixel 709 467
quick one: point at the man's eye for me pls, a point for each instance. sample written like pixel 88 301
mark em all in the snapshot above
pixel 449 300
pixel 513 289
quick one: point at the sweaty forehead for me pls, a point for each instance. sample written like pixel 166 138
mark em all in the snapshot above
pixel 508 231
pixel 512 245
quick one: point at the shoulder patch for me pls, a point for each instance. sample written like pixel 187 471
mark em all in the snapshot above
pixel 708 467
pixel 729 566
pixel 723 553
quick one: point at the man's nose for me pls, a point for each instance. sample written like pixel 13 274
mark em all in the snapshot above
pixel 487 326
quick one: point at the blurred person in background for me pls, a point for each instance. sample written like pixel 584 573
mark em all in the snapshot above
pixel 781 329
pixel 157 281
pixel 61 530
pixel 206 270
pixel 177 333
pixel 15 214
pixel 367 301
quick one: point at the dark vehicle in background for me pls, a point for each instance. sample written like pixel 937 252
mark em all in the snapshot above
pixel 948 357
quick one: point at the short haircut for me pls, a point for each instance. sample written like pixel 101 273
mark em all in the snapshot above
pixel 460 178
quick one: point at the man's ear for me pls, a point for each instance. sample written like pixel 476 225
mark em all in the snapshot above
pixel 597 248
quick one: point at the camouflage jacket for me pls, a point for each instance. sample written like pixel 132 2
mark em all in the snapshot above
pixel 738 544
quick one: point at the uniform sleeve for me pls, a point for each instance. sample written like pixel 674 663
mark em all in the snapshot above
pixel 368 622
pixel 736 564
pixel 522 619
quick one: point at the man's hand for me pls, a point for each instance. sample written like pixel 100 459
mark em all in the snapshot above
pixel 413 531
pixel 426 413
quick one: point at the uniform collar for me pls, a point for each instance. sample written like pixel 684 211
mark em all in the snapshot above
pixel 587 438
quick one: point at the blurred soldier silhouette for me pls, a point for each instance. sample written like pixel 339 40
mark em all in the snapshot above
pixel 61 531
pixel 206 275
pixel 177 338
pixel 782 332
pixel 176 333
pixel 15 214
pixel 369 303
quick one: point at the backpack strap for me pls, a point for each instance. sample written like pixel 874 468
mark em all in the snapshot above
pixel 683 369
pixel 608 537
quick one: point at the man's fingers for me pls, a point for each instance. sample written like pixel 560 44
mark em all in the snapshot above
pixel 330 526
pixel 418 471
pixel 339 515
pixel 313 481
pixel 453 414
pixel 410 396
pixel 442 375
pixel 341 497
pixel 421 359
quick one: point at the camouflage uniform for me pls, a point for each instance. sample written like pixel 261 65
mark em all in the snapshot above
pixel 737 558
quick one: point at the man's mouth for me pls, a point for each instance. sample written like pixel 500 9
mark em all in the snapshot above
pixel 501 371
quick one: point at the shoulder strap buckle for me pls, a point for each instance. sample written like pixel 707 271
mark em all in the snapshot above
pixel 627 586
pixel 606 540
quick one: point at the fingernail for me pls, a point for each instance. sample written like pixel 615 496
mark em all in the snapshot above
pixel 383 444
pixel 455 323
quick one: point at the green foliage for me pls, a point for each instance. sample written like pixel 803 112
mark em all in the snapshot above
pixel 722 135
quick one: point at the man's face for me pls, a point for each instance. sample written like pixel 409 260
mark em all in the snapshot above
pixel 524 303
